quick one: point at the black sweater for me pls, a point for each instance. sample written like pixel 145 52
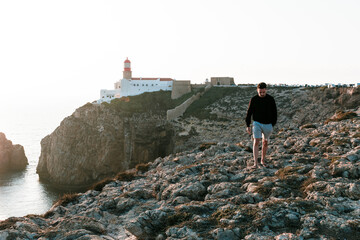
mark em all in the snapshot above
pixel 263 110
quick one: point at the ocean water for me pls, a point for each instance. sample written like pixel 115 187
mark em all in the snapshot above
pixel 21 193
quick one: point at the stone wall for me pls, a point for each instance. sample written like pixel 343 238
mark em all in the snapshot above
pixel 180 88
pixel 197 86
pixel 179 110
pixel 222 81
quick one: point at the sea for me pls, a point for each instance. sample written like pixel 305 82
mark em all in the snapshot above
pixel 21 193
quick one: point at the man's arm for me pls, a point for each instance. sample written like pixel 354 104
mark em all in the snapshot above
pixel 248 116
pixel 249 113
pixel 274 116
pixel 248 129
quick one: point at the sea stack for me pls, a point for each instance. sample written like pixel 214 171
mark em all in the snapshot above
pixel 12 157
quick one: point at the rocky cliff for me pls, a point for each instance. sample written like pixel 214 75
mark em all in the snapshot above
pixel 12 157
pixel 310 190
pixel 98 141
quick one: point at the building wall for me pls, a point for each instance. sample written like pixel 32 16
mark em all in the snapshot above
pixel 127 87
pixel 180 88
pixel 136 87
pixel 222 81
pixel 117 85
pixel 108 95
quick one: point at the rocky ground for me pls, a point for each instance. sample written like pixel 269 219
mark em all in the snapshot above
pixel 296 107
pixel 206 190
pixel 310 190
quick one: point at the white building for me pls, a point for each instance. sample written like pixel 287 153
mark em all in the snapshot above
pixel 129 86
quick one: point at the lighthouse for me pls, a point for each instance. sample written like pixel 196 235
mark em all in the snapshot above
pixel 127 69
pixel 129 86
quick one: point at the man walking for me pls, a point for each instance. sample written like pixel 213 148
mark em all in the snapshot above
pixel 262 108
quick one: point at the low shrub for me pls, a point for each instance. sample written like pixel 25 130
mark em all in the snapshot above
pixel 8 223
pixel 178 218
pixel 100 185
pixel 286 171
pixel 205 146
pixel 67 198
pixel 306 183
pixel 142 167
pixel 125 176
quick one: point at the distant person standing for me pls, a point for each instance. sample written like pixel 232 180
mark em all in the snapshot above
pixel 262 108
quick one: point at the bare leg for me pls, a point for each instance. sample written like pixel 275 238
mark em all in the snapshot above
pixel 256 151
pixel 263 151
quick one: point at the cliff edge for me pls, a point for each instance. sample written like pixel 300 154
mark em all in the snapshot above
pixel 98 141
pixel 310 190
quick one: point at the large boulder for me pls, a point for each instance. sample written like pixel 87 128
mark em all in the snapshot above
pixel 97 141
pixel 12 157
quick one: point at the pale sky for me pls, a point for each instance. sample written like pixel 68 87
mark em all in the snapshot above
pixel 63 52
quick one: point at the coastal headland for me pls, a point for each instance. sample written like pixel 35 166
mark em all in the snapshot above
pixel 198 184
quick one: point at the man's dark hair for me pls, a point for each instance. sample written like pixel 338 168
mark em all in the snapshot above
pixel 261 85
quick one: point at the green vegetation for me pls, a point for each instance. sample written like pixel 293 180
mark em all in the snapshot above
pixel 156 102
pixel 150 101
pixel 197 109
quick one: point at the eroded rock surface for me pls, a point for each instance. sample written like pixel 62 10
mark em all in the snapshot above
pixel 12 157
pixel 97 142
pixel 310 190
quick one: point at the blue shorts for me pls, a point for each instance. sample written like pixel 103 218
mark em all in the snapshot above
pixel 262 130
